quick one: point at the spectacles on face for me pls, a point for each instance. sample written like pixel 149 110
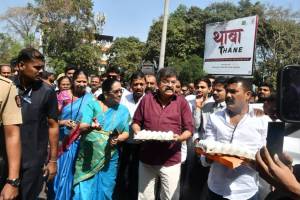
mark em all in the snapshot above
pixel 121 90
pixel 166 82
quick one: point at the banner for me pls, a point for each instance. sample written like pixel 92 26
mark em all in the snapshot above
pixel 229 46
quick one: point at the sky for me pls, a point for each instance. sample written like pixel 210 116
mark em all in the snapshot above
pixel 126 18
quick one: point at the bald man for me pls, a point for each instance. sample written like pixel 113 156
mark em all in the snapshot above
pixel 5 71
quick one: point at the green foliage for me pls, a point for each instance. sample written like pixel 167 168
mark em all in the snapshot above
pixel 9 48
pixel 126 53
pixel 57 64
pixel 79 57
pixel 68 33
pixel 186 30
pixel 281 41
pixel 277 42
pixel 188 69
pixel 152 47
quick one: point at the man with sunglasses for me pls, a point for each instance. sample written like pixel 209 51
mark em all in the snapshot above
pixel 162 111
pixel 113 72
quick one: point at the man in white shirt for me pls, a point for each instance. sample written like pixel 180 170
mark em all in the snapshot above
pixel 202 89
pixel 201 116
pixel 236 124
pixel 132 99
pixel 95 85
pixel 128 170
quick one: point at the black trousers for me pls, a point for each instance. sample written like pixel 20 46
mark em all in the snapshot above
pixel 31 183
pixel 127 180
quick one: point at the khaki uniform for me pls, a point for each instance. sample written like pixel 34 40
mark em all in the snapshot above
pixel 10 113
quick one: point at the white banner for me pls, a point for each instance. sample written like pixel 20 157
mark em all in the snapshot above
pixel 229 46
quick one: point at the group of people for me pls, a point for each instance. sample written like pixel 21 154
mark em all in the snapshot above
pixel 76 132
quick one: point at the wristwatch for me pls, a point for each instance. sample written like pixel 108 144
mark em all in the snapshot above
pixel 14 182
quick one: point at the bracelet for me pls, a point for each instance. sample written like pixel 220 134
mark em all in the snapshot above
pixel 52 161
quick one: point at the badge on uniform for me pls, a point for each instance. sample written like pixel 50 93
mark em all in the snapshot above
pixel 18 101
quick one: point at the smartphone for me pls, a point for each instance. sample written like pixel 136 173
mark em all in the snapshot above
pixel 275 138
pixel 288 85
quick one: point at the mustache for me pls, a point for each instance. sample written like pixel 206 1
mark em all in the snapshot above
pixel 139 90
pixel 199 95
pixel 149 90
pixel 169 88
pixel 229 101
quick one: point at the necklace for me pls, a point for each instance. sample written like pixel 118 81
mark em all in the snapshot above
pixel 77 110
pixel 102 123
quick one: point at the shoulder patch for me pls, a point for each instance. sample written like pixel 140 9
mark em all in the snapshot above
pixel 18 101
pixel 5 79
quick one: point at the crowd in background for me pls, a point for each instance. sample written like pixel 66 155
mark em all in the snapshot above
pixel 78 130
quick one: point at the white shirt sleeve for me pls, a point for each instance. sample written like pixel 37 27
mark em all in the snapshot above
pixel 210 133
pixel 197 122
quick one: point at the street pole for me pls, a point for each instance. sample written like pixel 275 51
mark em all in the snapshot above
pixel 164 36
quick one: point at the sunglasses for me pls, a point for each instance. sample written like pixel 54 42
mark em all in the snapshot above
pixel 112 76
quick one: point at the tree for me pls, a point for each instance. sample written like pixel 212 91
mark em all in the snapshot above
pixel 188 69
pixel 186 30
pixel 9 48
pixel 68 29
pixel 22 21
pixel 126 53
pixel 281 41
pixel 185 38
pixel 277 38
pixel 152 47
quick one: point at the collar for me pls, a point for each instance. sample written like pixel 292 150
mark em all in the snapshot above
pixel 220 105
pixel 35 84
pixel 129 98
pixel 26 93
pixel 156 96
pixel 250 113
pixel 138 100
